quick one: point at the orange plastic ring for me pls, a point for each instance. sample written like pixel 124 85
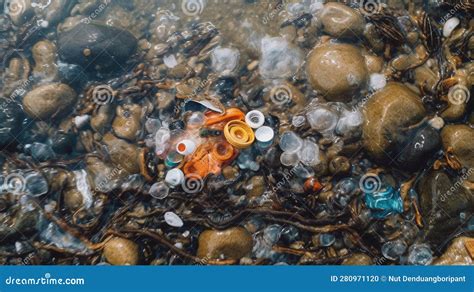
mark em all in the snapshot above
pixel 222 151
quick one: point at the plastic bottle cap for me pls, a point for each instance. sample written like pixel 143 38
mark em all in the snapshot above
pixel 174 177
pixel 255 119
pixel 264 134
pixel 222 151
pixel 239 134
pixel 185 147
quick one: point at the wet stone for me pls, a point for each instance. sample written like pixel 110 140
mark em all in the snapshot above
pixel 458 139
pixel 456 253
pixel 442 199
pixel 387 113
pixel 341 21
pixel 232 243
pixel 337 70
pixel 49 101
pixel 120 251
pixel 96 47
pixel 358 259
pixel 10 121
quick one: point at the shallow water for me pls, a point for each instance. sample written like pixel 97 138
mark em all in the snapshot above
pixel 236 132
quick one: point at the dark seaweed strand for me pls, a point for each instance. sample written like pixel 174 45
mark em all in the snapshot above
pixel 388 27
pixel 432 40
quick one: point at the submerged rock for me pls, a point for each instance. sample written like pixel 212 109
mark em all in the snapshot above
pixel 123 153
pixel 388 114
pixel 120 251
pixel 456 253
pixel 96 47
pixel 338 71
pixel 44 54
pixel 127 122
pixel 49 101
pixel 232 243
pixel 358 259
pixel 342 21
pixel 418 146
pixel 458 139
pixel 10 121
pixel 442 199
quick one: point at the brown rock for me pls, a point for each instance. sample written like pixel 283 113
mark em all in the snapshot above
pixel 127 121
pixel 255 186
pixel 48 101
pixel 337 70
pixel 102 117
pixel 120 251
pixel 358 259
pixel 123 153
pixel 456 253
pixel 374 63
pixel 459 139
pixel 442 197
pixel 230 172
pixel 387 113
pixel 232 243
pixel 342 21
pixel 44 54
pixel 339 165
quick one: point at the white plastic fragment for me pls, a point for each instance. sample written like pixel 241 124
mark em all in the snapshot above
pixel 377 81
pixel 449 26
pixel 173 220
pixel 81 121
pixel 83 187
pixel 170 61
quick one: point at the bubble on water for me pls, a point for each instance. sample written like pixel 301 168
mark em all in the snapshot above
pixel 279 59
pixel 224 60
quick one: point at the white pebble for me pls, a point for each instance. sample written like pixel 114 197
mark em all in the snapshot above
pixel 173 220
pixel 377 81
pixel 170 61
pixel 437 123
pixel 81 121
pixel 449 26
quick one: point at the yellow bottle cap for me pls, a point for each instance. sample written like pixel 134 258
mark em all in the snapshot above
pixel 239 134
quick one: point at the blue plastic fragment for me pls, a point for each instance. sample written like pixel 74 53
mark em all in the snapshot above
pixel 384 202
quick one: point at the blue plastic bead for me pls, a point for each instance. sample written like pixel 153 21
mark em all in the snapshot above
pixel 384 202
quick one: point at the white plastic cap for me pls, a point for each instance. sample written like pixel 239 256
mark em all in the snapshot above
pixel 254 119
pixel 185 147
pixel 264 134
